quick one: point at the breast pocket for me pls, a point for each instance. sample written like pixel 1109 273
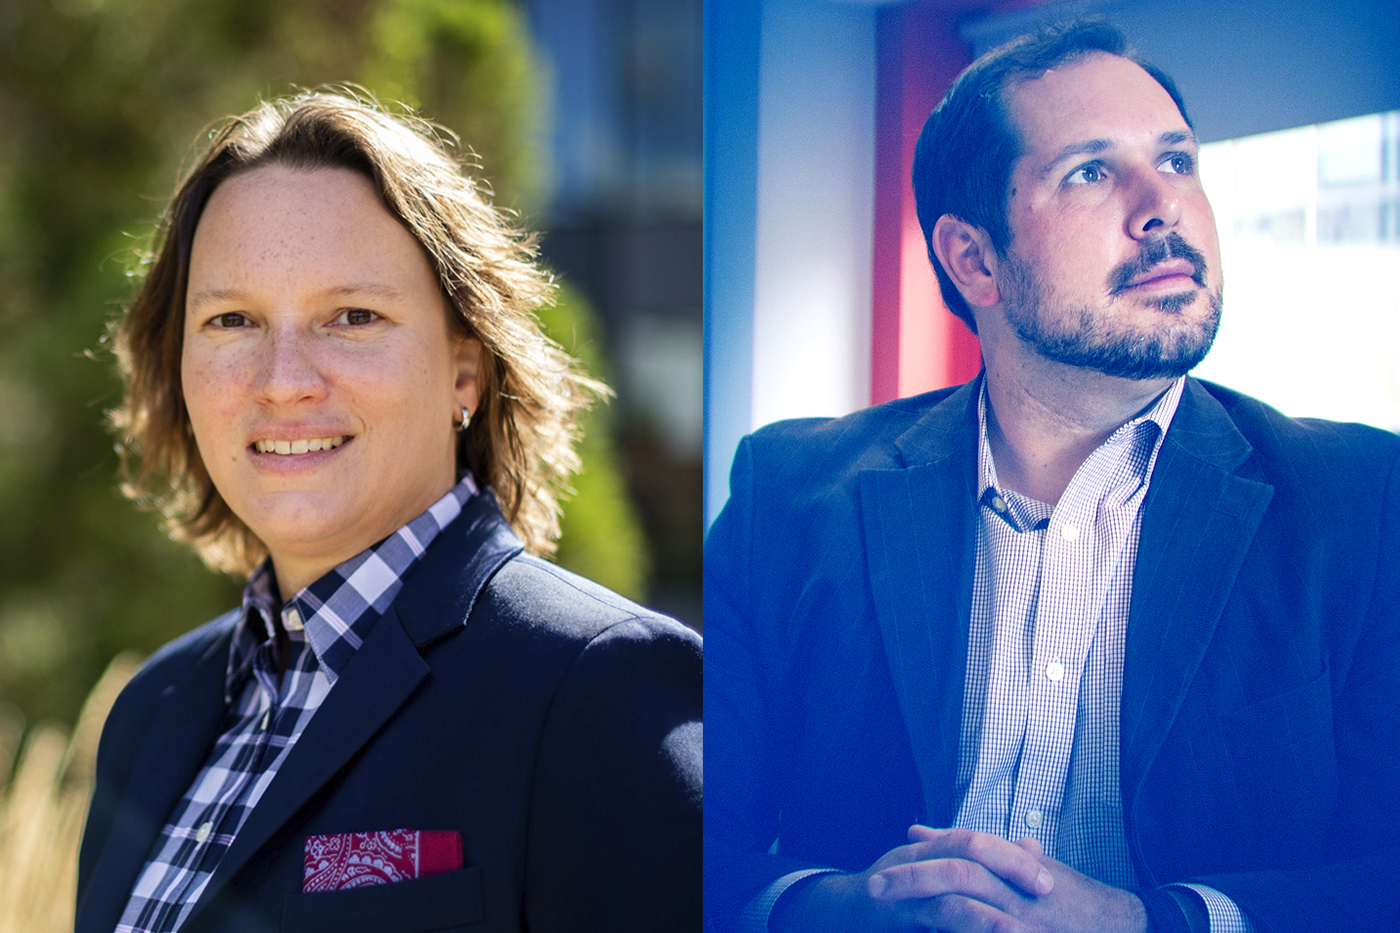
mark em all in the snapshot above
pixel 1285 754
pixel 449 901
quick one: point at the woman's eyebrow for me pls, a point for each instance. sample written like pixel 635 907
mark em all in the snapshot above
pixel 211 295
pixel 367 289
pixel 350 290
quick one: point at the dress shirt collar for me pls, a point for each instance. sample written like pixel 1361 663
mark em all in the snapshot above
pixel 1020 511
pixel 337 610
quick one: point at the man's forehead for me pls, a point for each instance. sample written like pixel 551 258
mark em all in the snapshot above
pixel 1100 97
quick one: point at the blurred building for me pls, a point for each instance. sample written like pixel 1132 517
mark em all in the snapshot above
pixel 623 225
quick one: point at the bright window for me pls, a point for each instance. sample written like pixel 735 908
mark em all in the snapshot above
pixel 1309 222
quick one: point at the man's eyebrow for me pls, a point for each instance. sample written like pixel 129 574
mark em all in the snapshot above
pixel 1096 146
pixel 1088 147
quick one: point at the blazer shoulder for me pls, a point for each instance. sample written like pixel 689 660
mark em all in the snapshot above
pixel 796 454
pixel 177 655
pixel 555 604
pixel 1308 446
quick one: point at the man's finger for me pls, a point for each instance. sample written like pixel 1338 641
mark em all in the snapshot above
pixel 1008 861
pixel 939 877
pixel 956 914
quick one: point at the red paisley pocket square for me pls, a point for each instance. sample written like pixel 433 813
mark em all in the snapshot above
pixel 358 860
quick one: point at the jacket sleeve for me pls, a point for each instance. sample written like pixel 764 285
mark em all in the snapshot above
pixel 741 762
pixel 617 800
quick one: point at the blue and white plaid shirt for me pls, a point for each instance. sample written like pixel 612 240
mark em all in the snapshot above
pixel 323 625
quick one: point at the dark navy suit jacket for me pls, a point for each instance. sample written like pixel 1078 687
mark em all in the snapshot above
pixel 553 724
pixel 1260 733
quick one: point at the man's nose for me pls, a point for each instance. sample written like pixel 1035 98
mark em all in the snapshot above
pixel 1156 206
pixel 287 368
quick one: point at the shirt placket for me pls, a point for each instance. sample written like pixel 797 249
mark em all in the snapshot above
pixel 1058 647
pixel 257 731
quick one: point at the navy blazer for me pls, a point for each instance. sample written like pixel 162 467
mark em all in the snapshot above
pixel 553 724
pixel 1260 732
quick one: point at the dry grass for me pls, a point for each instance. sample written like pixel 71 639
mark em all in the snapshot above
pixel 43 806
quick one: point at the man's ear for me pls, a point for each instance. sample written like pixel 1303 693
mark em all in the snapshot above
pixel 967 256
pixel 467 353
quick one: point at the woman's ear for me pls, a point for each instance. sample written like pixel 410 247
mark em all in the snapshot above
pixel 967 256
pixel 467 353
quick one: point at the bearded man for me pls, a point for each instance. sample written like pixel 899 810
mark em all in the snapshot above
pixel 1083 645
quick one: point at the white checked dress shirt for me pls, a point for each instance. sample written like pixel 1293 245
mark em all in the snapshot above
pixel 1038 754
pixel 1051 593
pixel 323 624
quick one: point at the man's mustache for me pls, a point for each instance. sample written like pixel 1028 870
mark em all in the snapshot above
pixel 1154 252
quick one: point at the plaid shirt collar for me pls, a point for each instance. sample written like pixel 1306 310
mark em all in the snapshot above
pixel 1021 512
pixel 338 610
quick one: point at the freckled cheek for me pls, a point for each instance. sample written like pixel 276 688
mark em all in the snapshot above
pixel 213 385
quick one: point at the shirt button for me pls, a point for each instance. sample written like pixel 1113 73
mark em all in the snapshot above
pixel 999 503
pixel 1069 533
pixel 292 619
pixel 203 833
pixel 1055 671
pixel 1034 819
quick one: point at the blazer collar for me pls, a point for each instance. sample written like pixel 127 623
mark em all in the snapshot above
pixel 436 601
pixel 921 539
pixel 919 521
pixel 1199 521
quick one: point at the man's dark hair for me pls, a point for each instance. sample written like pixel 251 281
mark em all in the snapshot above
pixel 969 145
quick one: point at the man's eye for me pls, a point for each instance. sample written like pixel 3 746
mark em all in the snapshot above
pixel 356 317
pixel 1086 175
pixel 1178 164
pixel 230 319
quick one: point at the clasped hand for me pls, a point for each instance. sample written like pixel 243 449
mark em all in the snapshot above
pixel 957 880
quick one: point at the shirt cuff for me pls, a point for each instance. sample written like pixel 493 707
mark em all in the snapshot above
pixel 1225 914
pixel 754 918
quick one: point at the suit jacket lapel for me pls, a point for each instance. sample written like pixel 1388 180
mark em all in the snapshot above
pixel 184 723
pixel 383 673
pixel 919 525
pixel 435 602
pixel 1199 521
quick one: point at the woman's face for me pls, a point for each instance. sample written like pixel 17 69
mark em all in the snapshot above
pixel 318 370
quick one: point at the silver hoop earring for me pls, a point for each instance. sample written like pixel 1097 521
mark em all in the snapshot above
pixel 466 419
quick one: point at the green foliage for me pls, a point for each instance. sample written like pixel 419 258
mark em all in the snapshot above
pixel 100 100
pixel 602 536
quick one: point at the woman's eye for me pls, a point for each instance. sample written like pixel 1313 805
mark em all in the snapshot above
pixel 356 317
pixel 1086 175
pixel 230 319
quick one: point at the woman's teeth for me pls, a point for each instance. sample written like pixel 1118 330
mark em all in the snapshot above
pixel 298 447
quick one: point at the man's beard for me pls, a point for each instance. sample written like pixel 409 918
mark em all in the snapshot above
pixel 1171 348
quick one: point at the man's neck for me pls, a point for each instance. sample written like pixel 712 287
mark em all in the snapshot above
pixel 1044 419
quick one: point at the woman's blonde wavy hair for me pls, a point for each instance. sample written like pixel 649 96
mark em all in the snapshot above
pixel 522 437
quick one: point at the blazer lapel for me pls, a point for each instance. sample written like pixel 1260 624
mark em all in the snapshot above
pixel 1198 523
pixel 379 678
pixel 386 670
pixel 921 538
pixel 184 723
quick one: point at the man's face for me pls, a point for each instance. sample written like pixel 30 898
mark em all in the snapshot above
pixel 1114 264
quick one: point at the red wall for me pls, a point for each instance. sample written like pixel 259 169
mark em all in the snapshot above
pixel 916 344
